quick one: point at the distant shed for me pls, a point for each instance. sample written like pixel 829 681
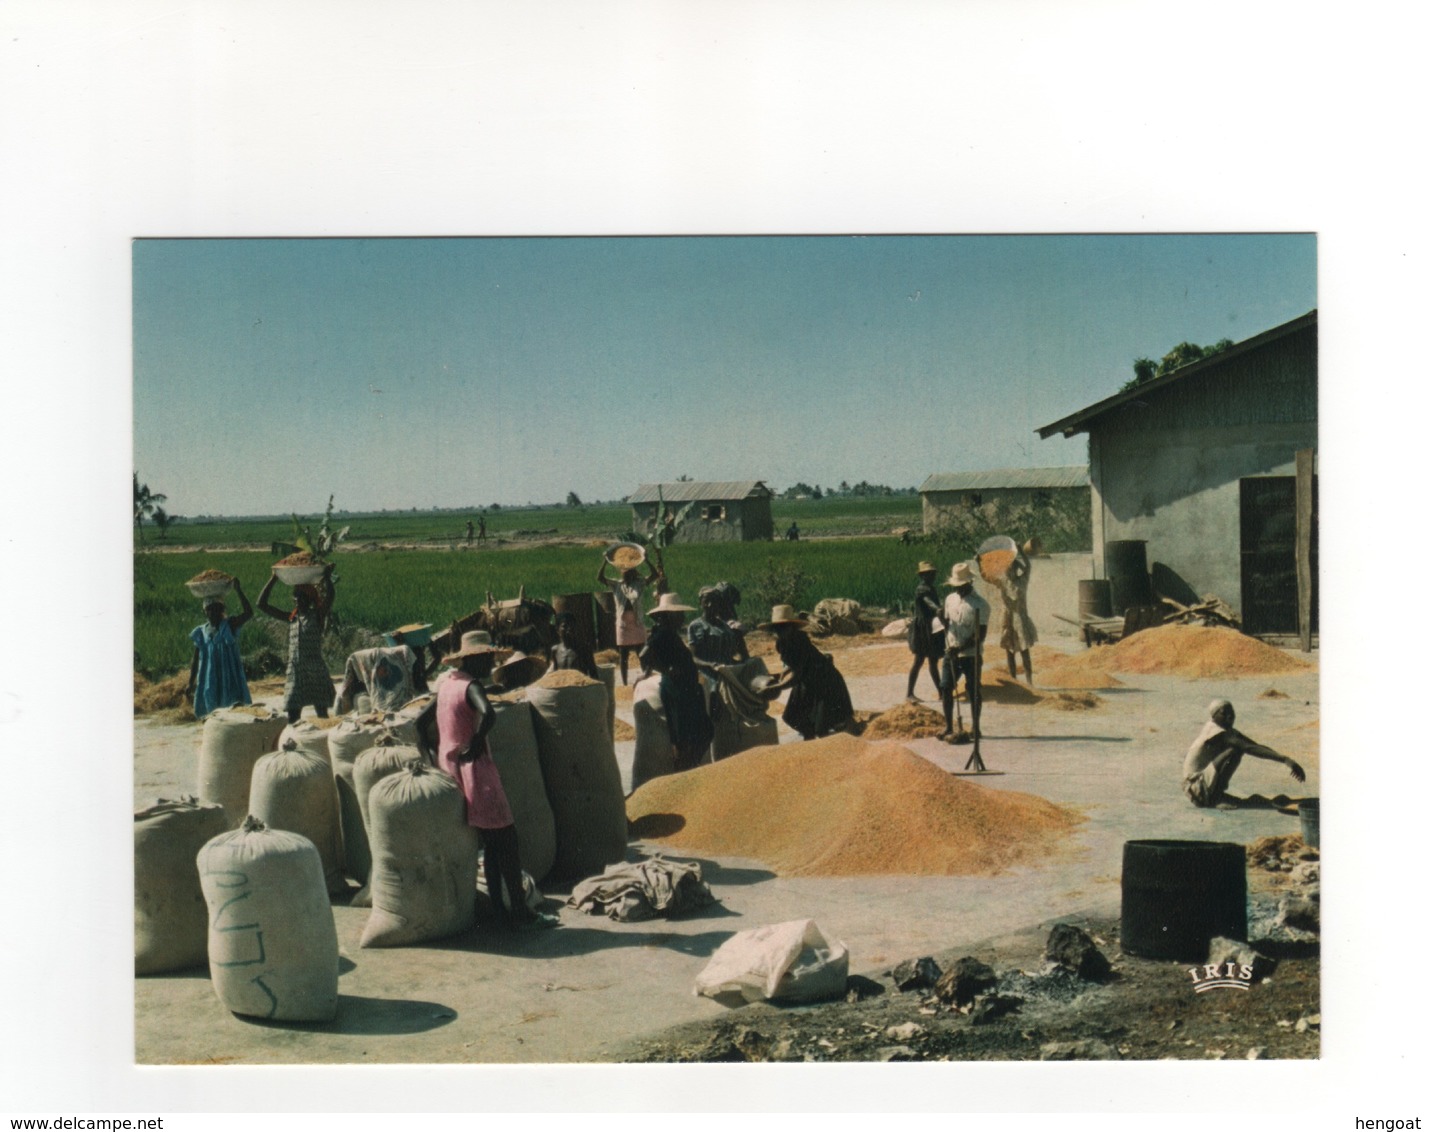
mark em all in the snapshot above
pixel 720 511
pixel 946 494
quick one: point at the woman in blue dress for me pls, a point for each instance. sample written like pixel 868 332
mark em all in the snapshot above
pixel 216 678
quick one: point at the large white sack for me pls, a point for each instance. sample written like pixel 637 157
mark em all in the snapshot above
pixel 310 737
pixel 790 961
pixel 424 880
pixel 293 790
pixel 273 946
pixel 171 922
pixel 582 779
pixel 346 743
pixel 513 740
pixel 388 756
pixel 233 740
pixel 655 755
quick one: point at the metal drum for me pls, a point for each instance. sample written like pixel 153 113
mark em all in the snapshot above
pixel 1095 598
pixel 1179 895
pixel 1126 564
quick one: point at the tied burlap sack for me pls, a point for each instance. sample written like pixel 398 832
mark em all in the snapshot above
pixel 309 737
pixel 654 756
pixel 293 790
pixel 513 740
pixel 171 922
pixel 387 756
pixel 273 946
pixel 582 779
pixel 424 882
pixel 234 739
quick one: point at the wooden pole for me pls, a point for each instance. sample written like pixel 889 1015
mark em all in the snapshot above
pixel 1306 465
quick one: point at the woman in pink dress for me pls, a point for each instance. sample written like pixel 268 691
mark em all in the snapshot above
pixel 464 716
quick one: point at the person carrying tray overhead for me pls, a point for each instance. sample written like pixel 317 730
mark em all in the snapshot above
pixel 216 678
pixel 966 620
pixel 1216 754
pixel 626 591
pixel 307 680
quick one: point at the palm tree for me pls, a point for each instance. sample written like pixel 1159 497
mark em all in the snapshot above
pixel 146 502
pixel 162 519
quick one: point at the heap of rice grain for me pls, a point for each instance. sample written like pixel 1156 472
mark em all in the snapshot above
pixel 566 678
pixel 1194 651
pixel 905 721
pixel 844 807
pixel 1073 701
pixel 299 558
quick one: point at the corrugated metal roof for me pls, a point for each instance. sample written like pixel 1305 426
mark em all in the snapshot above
pixel 1072 475
pixel 696 490
pixel 1079 421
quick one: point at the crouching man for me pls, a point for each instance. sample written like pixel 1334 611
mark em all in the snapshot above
pixel 1215 756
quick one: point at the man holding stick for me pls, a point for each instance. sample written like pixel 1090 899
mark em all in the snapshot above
pixel 966 620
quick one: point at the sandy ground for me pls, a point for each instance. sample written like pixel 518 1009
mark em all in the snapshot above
pixel 588 988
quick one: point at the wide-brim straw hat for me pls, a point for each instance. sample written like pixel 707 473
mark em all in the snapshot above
pixel 927 568
pixel 669 603
pixel 476 643
pixel 519 669
pixel 960 575
pixel 783 615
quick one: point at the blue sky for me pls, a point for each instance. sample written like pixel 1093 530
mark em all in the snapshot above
pixel 402 373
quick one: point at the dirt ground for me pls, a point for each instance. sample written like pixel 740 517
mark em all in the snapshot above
pixel 595 990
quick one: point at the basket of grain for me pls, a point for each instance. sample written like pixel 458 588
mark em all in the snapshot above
pixel 995 556
pixel 209 583
pixel 301 569
pixel 416 635
pixel 626 555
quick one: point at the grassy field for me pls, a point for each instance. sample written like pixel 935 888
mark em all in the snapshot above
pixel 846 515
pixel 382 589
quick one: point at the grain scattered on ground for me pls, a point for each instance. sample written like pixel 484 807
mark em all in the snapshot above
pixel 843 807
pixel 1271 694
pixel 1073 701
pixel 623 732
pixel 876 660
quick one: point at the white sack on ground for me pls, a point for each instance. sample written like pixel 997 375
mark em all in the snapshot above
pixel 424 882
pixel 234 739
pixel 293 790
pixel 791 961
pixel 582 779
pixel 273 946
pixel 513 740
pixel 171 921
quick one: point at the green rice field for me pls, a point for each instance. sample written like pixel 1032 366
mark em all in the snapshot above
pixel 378 590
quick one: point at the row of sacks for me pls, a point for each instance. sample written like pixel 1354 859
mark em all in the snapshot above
pixel 553 751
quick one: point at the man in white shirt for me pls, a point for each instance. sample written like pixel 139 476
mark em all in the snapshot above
pixel 966 620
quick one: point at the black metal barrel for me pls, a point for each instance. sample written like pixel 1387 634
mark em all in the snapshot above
pixel 1095 598
pixel 1125 561
pixel 1178 895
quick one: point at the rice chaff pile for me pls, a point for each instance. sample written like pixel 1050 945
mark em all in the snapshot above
pixel 843 807
pixel 1197 652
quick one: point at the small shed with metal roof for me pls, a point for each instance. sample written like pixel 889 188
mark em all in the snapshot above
pixel 705 510
pixel 946 494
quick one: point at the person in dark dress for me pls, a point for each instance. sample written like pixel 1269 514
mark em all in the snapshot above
pixel 819 702
pixel 925 642
pixel 682 696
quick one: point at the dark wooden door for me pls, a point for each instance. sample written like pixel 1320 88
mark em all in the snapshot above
pixel 1269 554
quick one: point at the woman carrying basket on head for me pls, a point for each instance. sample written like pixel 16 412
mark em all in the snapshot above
pixel 626 592
pixel 216 678
pixel 307 680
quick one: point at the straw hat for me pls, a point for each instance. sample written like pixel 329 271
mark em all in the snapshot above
pixel 784 615
pixel 670 603
pixel 927 568
pixel 475 643
pixel 519 669
pixel 961 575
